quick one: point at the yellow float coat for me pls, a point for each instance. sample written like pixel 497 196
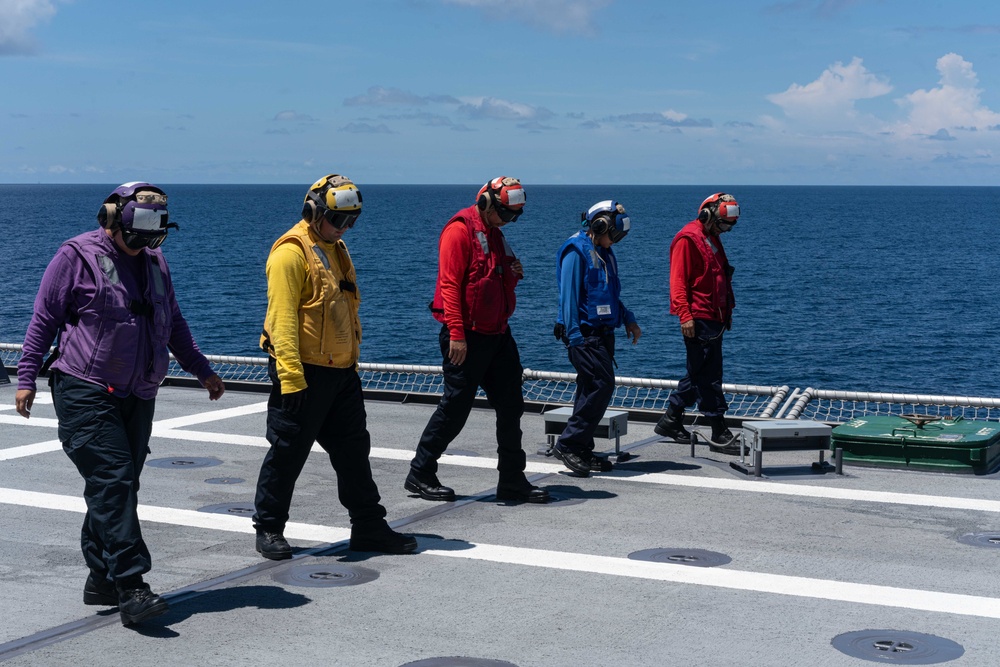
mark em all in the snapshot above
pixel 310 319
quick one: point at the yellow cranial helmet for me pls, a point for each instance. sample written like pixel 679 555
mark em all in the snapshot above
pixel 333 198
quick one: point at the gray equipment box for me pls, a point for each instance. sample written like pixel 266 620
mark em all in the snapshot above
pixel 784 435
pixel 613 424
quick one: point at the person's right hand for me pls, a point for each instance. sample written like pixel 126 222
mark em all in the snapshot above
pixel 687 328
pixel 293 402
pixel 23 400
pixel 457 350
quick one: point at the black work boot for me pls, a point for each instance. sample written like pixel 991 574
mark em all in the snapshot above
pixel 273 545
pixel 519 489
pixel 722 440
pixel 671 425
pixel 379 537
pixel 427 486
pixel 600 463
pixel 136 602
pixel 572 460
pixel 99 591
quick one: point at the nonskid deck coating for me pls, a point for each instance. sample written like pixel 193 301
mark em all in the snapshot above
pixel 814 556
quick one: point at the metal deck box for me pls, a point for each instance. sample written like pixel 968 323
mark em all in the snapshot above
pixel 613 424
pixel 921 442
pixel 771 435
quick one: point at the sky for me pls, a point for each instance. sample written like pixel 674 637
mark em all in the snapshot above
pixel 738 92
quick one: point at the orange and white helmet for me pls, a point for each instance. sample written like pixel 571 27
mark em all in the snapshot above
pixel 720 206
pixel 505 194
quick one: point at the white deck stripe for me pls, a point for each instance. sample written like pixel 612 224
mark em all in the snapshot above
pixel 18 420
pixel 175 517
pixel 667 479
pixel 30 450
pixel 820 589
pixel 209 416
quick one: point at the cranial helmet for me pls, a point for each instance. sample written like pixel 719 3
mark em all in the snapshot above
pixel 721 206
pixel 609 217
pixel 504 194
pixel 333 198
pixel 139 210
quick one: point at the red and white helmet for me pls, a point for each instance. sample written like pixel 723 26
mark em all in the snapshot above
pixel 502 192
pixel 721 206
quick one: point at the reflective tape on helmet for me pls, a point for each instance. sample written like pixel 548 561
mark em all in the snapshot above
pixel 515 197
pixel 343 199
pixel 147 219
pixel 729 211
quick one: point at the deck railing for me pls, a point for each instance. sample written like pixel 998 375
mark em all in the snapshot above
pixel 633 394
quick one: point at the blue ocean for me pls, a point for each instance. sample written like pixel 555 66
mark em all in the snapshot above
pixel 852 288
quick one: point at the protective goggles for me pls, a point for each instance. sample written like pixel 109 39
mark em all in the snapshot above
pixel 508 214
pixel 619 230
pixel 340 219
pixel 149 224
pixel 137 241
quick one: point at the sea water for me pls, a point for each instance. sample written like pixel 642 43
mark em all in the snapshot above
pixel 853 288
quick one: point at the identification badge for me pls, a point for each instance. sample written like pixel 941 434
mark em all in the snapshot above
pixel 604 310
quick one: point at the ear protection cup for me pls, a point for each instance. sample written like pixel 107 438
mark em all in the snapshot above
pixel 109 216
pixel 309 212
pixel 704 215
pixel 485 202
pixel 600 225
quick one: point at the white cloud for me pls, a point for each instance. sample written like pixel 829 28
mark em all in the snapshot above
pixel 669 118
pixel 497 109
pixel 831 97
pixel 17 18
pixel 955 103
pixel 291 116
pixel 378 96
pixel 573 16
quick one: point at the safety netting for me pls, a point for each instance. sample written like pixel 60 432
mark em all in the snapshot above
pixel 640 394
pixel 843 406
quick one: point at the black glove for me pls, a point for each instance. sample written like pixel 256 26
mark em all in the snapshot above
pixel 292 403
pixel 559 331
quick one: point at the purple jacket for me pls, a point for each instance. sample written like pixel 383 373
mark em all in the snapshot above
pixel 118 316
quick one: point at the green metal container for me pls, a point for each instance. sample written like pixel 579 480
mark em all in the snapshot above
pixel 920 442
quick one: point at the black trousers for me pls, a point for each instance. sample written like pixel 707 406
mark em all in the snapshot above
pixel 493 363
pixel 107 439
pixel 333 415
pixel 595 385
pixel 703 382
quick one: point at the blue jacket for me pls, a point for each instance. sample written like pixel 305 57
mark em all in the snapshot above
pixel 589 289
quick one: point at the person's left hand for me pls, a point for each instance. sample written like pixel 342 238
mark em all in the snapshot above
pixel 215 387
pixel 22 402
pixel 633 332
pixel 517 268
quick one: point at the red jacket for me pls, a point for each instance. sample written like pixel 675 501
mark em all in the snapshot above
pixel 701 285
pixel 475 285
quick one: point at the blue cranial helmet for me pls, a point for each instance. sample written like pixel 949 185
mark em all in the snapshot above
pixel 609 217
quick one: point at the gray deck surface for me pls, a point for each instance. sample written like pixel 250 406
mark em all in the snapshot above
pixel 813 556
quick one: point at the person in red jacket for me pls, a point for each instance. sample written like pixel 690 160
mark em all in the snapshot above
pixel 701 295
pixel 474 297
